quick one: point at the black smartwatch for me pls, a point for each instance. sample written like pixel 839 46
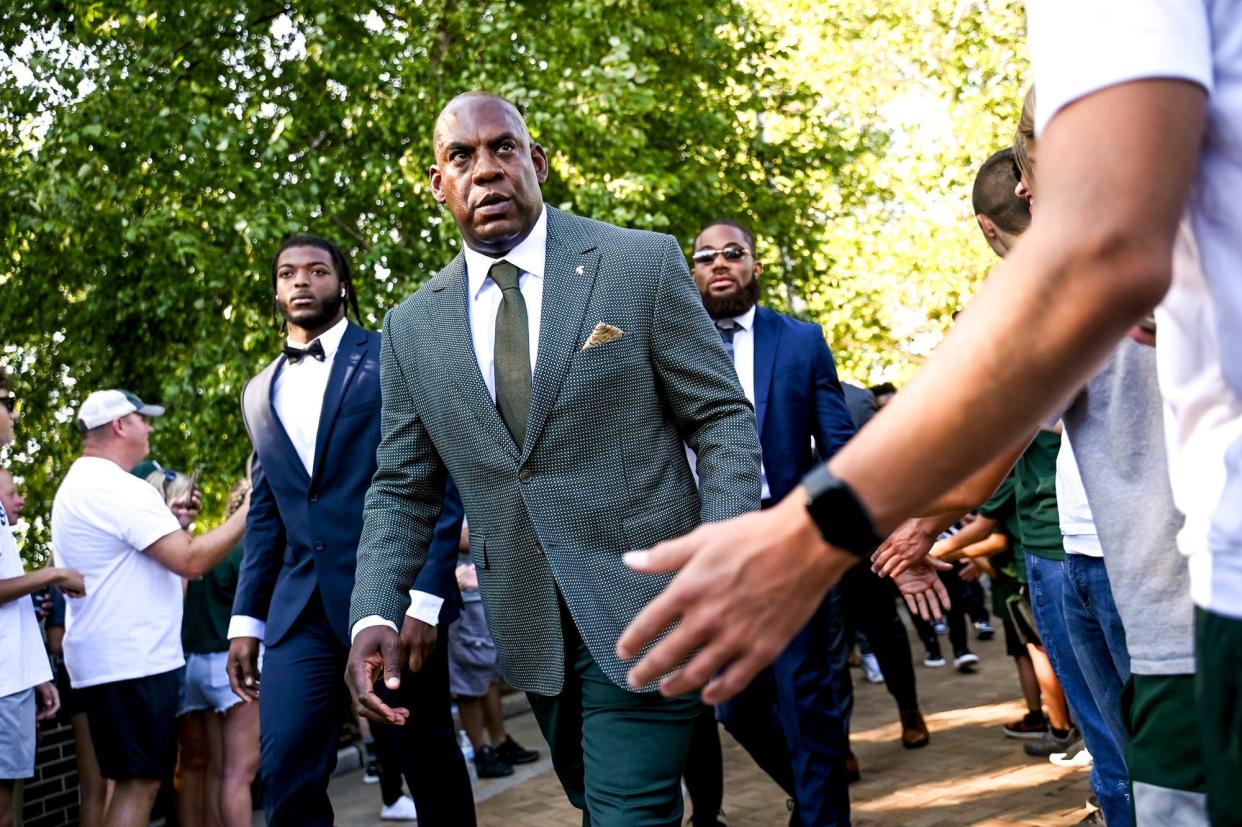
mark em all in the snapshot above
pixel 842 519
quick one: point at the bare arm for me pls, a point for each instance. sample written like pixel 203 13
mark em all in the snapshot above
pixel 1096 259
pixel 977 531
pixel 193 557
pixel 68 580
pixel 975 490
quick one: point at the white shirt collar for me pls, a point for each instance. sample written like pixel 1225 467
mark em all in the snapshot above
pixel 746 321
pixel 528 257
pixel 330 339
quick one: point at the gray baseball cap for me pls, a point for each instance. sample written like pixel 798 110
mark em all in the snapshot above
pixel 102 407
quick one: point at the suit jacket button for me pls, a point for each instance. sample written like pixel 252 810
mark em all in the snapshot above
pixel 525 475
pixel 318 546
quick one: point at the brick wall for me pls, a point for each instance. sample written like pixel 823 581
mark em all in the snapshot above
pixel 50 799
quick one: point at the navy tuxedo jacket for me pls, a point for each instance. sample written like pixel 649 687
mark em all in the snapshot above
pixel 797 397
pixel 302 530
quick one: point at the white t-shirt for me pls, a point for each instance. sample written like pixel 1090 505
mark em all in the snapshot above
pixel 129 623
pixel 23 661
pixel 1078 533
pixel 1079 48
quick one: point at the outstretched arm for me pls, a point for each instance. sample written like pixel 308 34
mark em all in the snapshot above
pixel 1096 259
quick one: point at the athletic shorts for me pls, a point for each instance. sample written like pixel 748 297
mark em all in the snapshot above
pixel 133 725
pixel 472 654
pixel 206 684
pixel 1023 619
pixel 70 704
pixel 17 735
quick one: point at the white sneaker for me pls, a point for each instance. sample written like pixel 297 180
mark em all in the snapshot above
pixel 1064 759
pixel 400 810
pixel 871 667
pixel 966 663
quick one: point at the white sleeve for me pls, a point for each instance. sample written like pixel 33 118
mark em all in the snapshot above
pixel 369 621
pixel 425 607
pixel 137 512
pixel 1082 47
pixel 243 626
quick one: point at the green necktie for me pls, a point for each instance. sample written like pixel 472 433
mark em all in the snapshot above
pixel 512 355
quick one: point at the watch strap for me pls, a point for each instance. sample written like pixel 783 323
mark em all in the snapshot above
pixel 841 517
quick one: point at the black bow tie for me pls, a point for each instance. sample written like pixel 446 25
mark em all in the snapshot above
pixel 314 350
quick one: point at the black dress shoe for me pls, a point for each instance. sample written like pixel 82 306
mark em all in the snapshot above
pixel 488 765
pixel 511 752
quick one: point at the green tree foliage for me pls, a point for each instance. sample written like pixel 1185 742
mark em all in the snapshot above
pixel 921 92
pixel 154 152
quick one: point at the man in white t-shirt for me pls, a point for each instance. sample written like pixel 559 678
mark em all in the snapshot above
pixel 27 694
pixel 123 639
pixel 1141 100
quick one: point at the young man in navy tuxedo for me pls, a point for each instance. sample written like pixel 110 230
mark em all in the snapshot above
pixel 313 415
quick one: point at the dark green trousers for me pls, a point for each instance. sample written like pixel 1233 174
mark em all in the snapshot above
pixel 1167 776
pixel 1218 658
pixel 619 754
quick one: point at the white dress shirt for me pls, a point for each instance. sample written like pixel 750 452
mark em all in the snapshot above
pixel 744 364
pixel 484 296
pixel 297 396
pixel 482 303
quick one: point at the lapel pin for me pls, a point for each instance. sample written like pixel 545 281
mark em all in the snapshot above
pixel 579 270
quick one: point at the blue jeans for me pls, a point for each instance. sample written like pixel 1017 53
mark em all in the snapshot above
pixel 1098 637
pixel 1109 777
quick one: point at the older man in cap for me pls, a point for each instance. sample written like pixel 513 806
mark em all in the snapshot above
pixel 123 638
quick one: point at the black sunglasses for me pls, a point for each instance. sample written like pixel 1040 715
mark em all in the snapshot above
pixel 9 402
pixel 731 253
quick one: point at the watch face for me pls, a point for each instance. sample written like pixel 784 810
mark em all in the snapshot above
pixel 842 519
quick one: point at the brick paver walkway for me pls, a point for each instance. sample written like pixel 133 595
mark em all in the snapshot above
pixel 969 775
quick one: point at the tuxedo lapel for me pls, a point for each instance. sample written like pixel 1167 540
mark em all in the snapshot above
pixel 268 422
pixel 767 340
pixel 449 299
pixel 569 275
pixel 349 355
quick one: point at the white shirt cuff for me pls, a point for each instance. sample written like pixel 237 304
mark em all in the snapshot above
pixel 242 626
pixel 425 607
pixel 369 621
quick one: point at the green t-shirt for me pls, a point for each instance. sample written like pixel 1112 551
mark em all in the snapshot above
pixel 1035 478
pixel 208 606
pixel 1002 508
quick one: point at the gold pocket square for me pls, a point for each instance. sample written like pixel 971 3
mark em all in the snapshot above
pixel 602 335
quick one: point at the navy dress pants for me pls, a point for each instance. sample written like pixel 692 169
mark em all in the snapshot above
pixel 793 719
pixel 302 704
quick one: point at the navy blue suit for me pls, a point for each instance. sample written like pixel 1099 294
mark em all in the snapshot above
pixel 793 718
pixel 297 575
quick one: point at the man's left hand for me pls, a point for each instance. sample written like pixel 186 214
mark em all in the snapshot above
pixel 418 640
pixel 746 587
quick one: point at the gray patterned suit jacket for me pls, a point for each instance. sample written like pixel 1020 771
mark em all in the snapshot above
pixel 603 469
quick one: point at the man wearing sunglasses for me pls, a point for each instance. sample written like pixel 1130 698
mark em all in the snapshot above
pixel 787 372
